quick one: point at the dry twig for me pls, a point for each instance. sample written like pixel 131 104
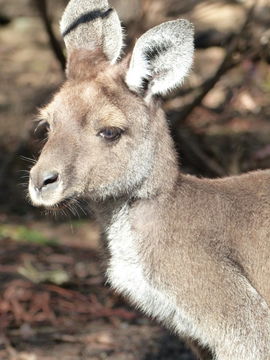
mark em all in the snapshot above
pixel 178 117
pixel 41 6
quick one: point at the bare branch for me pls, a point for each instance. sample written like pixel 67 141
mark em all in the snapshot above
pixel 41 6
pixel 229 61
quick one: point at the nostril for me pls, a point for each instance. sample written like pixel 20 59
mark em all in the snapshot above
pixel 50 178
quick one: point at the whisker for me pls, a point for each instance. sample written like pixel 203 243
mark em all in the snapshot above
pixel 23 171
pixel 76 211
pixel 72 209
pixel 71 228
pixel 28 159
pixel 25 184
pixel 77 202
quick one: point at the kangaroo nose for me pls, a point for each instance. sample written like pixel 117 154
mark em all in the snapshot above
pixel 50 178
pixel 45 180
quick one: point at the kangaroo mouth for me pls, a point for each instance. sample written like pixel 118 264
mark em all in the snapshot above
pixel 61 205
pixel 73 205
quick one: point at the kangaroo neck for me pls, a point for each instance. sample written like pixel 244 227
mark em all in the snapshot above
pixel 165 171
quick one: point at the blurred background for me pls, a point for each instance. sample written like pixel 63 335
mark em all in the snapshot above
pixel 54 302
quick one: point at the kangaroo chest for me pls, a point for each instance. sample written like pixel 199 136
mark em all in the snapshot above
pixel 128 275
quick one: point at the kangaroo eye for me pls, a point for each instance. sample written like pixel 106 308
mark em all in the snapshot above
pixel 111 133
pixel 42 129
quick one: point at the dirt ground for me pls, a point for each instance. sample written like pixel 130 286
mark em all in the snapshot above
pixel 54 301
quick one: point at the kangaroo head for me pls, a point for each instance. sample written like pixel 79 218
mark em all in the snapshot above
pixel 103 128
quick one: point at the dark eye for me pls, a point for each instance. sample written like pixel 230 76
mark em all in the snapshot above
pixel 111 133
pixel 42 129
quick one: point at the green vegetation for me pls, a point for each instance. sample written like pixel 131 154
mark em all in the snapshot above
pixel 58 276
pixel 23 233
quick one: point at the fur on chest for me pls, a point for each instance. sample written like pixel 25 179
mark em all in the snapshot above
pixel 128 275
pixel 125 271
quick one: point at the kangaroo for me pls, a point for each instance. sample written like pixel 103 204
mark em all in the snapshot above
pixel 192 253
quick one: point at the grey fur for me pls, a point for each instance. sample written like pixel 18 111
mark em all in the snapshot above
pixel 103 32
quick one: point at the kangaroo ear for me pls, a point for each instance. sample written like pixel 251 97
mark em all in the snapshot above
pixel 92 25
pixel 161 59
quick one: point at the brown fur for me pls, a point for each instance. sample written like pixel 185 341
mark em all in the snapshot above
pixel 85 65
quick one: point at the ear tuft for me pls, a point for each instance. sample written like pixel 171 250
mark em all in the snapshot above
pixel 162 57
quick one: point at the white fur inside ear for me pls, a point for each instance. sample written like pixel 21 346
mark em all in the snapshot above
pixel 162 57
pixel 139 71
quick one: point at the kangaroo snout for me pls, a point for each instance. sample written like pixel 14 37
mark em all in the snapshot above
pixel 45 187
pixel 43 181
